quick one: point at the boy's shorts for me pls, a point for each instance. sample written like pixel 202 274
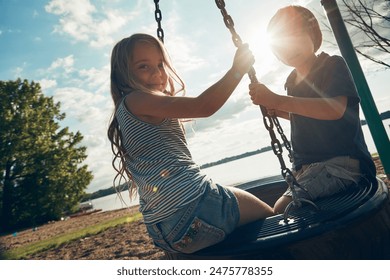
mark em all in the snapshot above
pixel 200 224
pixel 325 178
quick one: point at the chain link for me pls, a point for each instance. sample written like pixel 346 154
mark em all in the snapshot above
pixel 269 121
pixel 158 17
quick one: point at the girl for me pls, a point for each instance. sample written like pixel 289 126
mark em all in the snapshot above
pixel 329 150
pixel 184 210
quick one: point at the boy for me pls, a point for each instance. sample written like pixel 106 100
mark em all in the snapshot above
pixel 322 104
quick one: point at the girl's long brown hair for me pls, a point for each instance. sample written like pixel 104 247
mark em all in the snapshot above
pixel 123 83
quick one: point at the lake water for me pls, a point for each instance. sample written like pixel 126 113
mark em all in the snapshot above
pixel 231 173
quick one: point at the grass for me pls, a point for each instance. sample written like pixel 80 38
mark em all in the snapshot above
pixel 24 251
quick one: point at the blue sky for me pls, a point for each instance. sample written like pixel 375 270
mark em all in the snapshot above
pixel 66 46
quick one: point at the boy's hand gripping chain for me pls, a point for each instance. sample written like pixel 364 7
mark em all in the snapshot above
pixel 269 121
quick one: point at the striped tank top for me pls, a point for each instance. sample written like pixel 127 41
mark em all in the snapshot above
pixel 158 158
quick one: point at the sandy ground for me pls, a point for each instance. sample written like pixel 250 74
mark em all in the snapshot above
pixel 124 242
pixel 127 241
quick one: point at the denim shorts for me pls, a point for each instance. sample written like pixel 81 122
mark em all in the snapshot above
pixel 200 224
pixel 325 178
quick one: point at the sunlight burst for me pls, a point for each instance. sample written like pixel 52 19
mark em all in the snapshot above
pixel 259 43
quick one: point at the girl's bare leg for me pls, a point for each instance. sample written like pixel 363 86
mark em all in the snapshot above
pixel 251 208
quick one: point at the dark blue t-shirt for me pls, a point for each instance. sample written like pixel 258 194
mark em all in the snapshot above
pixel 316 140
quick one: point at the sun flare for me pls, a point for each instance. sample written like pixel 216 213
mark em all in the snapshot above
pixel 259 43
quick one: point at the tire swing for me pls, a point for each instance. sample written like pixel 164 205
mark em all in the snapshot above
pixel 354 224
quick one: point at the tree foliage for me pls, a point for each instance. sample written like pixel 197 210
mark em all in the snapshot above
pixel 370 24
pixel 41 171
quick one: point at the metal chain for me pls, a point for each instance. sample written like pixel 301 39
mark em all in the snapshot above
pixel 158 17
pixel 286 143
pixel 235 37
pixel 269 121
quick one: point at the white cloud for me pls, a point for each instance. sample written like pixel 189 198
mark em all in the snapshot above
pixel 84 97
pixel 84 22
pixel 383 104
pixel 18 72
pixel 82 105
pixel 78 10
pixel 104 28
pixel 96 78
pixel 89 113
pixel 65 63
pixel 46 84
pixel 184 55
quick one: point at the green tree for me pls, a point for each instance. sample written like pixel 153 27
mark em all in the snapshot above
pixel 41 171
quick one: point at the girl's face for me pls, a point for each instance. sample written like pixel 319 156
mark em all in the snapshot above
pixel 293 49
pixel 148 66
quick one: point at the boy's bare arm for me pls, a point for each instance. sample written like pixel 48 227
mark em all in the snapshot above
pixel 279 114
pixel 316 108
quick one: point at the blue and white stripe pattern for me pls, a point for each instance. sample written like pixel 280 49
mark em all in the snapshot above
pixel 161 165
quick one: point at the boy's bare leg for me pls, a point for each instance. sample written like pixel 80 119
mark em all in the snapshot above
pixel 281 204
